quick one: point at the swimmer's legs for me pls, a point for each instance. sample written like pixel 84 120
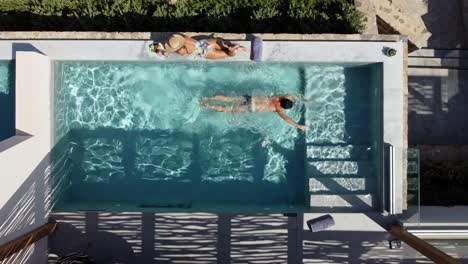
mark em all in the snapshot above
pixel 218 108
pixel 222 98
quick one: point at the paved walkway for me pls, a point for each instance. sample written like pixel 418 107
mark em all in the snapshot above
pixel 223 238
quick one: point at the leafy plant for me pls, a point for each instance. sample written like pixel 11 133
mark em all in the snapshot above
pixel 277 16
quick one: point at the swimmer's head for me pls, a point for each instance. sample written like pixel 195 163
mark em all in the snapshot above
pixel 286 103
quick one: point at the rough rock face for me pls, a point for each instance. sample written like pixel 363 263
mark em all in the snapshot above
pixel 368 9
pixel 396 16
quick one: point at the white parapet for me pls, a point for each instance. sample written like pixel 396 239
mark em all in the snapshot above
pixel 33 117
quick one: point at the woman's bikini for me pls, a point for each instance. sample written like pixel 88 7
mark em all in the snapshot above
pixel 202 47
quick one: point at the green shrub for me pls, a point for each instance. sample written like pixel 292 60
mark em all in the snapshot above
pixel 276 16
pixel 328 15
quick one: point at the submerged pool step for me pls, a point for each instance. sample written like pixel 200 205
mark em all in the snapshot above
pixel 339 152
pixel 351 202
pixel 341 168
pixel 325 185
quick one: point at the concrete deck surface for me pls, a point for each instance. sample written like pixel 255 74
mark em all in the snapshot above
pixel 225 238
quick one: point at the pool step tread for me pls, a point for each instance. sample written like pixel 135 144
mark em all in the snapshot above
pixel 363 159
pixel 355 134
pixel 341 185
pixel 358 202
pixel 360 152
pixel 333 167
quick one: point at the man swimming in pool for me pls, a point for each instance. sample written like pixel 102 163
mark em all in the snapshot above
pixel 247 103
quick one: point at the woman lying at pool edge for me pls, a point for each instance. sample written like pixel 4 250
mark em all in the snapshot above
pixel 247 103
pixel 214 48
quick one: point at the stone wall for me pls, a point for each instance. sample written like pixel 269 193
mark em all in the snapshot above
pixel 397 17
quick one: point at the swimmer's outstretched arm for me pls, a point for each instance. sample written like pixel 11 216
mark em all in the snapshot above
pixel 281 113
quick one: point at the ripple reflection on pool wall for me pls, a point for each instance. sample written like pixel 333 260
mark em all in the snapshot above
pixel 7 99
pixel 163 158
pixel 4 78
pixel 325 114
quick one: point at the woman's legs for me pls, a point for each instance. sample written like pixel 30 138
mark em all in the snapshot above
pixel 222 44
pixel 222 49
pixel 218 54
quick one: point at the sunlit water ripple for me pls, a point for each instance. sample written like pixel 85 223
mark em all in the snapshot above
pixel 155 106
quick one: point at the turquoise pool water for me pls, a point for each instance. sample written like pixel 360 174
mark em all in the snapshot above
pixel 7 100
pixel 135 137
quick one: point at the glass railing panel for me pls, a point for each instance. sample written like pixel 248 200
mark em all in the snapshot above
pixel 412 189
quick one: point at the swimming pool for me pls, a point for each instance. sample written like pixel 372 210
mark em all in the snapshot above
pixel 7 100
pixel 135 138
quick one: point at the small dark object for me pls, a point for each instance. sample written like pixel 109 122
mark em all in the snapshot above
pixel 394 244
pixel 321 223
pixel 389 51
pixel 256 53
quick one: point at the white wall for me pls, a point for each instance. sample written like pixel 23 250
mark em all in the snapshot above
pixel 24 163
